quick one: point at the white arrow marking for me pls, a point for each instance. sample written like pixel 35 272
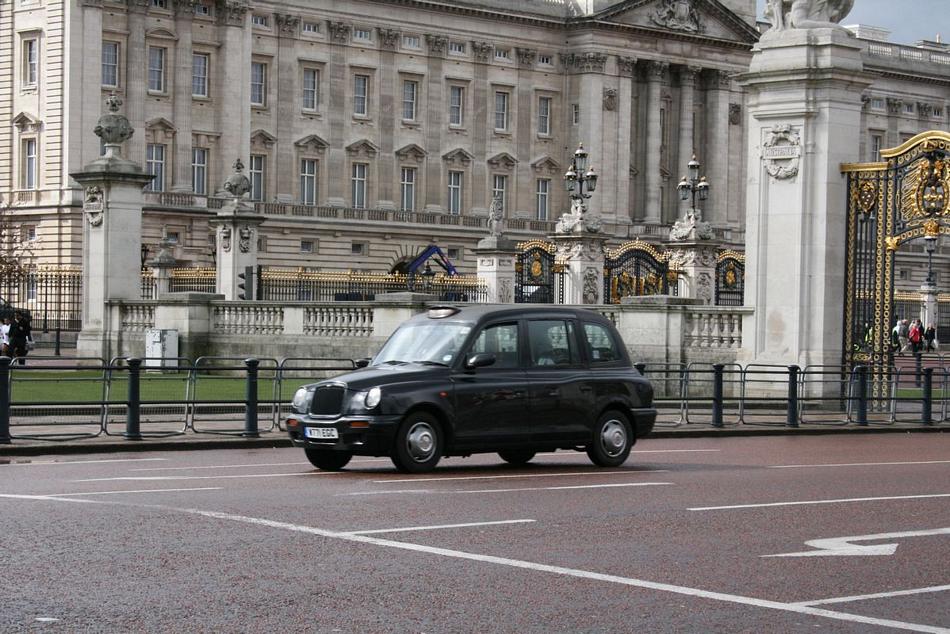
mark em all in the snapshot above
pixel 842 546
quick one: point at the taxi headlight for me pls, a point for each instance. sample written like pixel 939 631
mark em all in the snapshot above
pixel 300 400
pixel 373 396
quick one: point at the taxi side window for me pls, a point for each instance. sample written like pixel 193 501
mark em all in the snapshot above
pixel 500 340
pixel 552 343
pixel 601 346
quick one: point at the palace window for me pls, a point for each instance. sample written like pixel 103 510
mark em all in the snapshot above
pixel 311 83
pixel 456 108
pixel 575 113
pixel 31 58
pixel 456 180
pixel 877 142
pixel 306 246
pixel 155 165
pixel 29 162
pixel 503 53
pixel 362 35
pixel 311 27
pixel 159 4
pixel 359 248
pixel 544 116
pixel 308 181
pixel 407 189
pixel 410 93
pixel 199 74
pixel 199 170
pixel 256 174
pixel 411 41
pixel 156 69
pixel 259 20
pixel 457 48
pixel 358 184
pixel 541 198
pixel 545 60
pixel 110 64
pixel 501 111
pixel 499 190
pixel 361 95
pixel 258 84
pixel 202 10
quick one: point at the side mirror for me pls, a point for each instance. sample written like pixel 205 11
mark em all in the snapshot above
pixel 362 363
pixel 479 360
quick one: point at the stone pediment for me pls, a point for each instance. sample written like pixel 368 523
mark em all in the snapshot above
pixel 160 33
pixel 411 152
pixel 458 156
pixel 363 148
pixel 262 139
pixel 701 18
pixel 503 160
pixel 26 122
pixel 312 143
pixel 546 165
pixel 160 123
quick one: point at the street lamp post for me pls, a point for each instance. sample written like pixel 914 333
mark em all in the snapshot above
pixel 930 246
pixel 580 181
pixel 691 187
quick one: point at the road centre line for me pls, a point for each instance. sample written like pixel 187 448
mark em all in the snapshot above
pixel 856 464
pixel 560 488
pixel 214 477
pixel 440 526
pixel 809 502
pixel 61 495
pixel 573 572
pixel 46 463
pixel 519 475
pixel 877 595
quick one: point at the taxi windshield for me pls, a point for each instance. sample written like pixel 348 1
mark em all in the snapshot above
pixel 424 342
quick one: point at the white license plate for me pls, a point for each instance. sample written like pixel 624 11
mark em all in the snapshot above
pixel 322 432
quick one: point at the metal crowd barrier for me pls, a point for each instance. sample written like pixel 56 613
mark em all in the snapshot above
pixel 146 398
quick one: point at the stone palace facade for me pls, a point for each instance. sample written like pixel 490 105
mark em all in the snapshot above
pixel 371 128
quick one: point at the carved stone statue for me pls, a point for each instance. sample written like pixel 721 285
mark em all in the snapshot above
pixel 113 128
pixel 679 15
pixel 496 216
pixel 237 183
pixel 807 14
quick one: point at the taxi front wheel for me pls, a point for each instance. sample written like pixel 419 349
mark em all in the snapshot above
pixel 612 440
pixel 418 445
pixel 327 459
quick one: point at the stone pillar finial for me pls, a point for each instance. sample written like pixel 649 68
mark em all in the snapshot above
pixel 113 128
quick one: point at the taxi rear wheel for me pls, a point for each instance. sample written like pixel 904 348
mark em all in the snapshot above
pixel 612 440
pixel 327 459
pixel 517 456
pixel 418 445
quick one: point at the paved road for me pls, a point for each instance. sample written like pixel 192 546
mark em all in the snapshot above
pixel 683 538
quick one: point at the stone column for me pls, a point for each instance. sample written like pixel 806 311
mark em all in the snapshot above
pixel 435 114
pixel 135 77
pixel 388 103
pixel 803 122
pixel 717 163
pixel 657 75
pixel 482 105
pixel 583 259
pixel 288 104
pixel 233 86
pixel 496 267
pixel 687 147
pixel 181 100
pixel 929 307
pixel 339 113
pixel 112 236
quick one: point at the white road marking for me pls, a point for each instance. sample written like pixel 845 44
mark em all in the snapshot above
pixel 808 502
pixel 61 495
pixel 855 464
pixel 214 477
pixel 560 488
pixel 47 463
pixel 842 546
pixel 248 464
pixel 520 475
pixel 46 619
pixel 434 528
pixel 573 572
pixel 14 496
pixel 877 595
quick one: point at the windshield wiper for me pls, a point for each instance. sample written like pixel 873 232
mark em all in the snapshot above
pixel 393 362
pixel 427 362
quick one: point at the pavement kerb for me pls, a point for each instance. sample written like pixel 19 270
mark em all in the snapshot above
pixel 277 441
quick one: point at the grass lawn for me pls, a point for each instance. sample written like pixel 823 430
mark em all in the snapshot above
pixel 87 386
pixel 915 392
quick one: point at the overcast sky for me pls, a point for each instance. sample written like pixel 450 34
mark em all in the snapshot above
pixel 908 20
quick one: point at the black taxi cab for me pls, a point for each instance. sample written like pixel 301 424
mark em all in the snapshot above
pixel 454 381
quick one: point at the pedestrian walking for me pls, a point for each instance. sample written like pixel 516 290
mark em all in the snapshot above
pixel 903 330
pixel 5 337
pixel 915 335
pixel 21 337
pixel 930 337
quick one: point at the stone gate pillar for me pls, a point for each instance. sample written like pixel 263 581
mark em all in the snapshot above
pixel 695 264
pixel 804 91
pixel 236 226
pixel 496 267
pixel 583 259
pixel 112 235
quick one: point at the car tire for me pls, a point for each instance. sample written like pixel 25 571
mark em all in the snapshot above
pixel 418 446
pixel 327 459
pixel 517 457
pixel 612 441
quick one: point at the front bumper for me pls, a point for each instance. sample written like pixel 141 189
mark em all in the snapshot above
pixel 643 421
pixel 360 435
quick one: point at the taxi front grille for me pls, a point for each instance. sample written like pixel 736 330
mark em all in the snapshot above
pixel 327 401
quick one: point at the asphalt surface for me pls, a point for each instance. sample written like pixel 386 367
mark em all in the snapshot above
pixel 681 538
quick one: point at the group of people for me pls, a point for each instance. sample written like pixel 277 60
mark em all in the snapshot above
pixel 16 337
pixel 912 336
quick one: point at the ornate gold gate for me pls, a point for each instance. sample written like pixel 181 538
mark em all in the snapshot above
pixel 902 198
